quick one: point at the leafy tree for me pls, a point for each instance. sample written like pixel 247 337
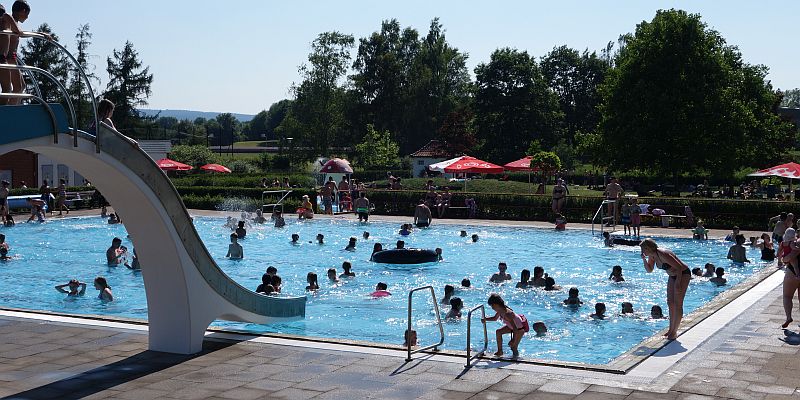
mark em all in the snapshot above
pixel 47 56
pixel 229 128
pixel 275 115
pixel 378 150
pixel 791 98
pixel 575 78
pixel 514 106
pixel 680 100
pixel 546 161
pixel 458 132
pixel 77 87
pixel 192 155
pixel 128 86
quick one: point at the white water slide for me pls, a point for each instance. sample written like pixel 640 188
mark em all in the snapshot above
pixel 185 288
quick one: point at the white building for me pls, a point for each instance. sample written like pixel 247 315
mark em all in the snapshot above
pixel 52 171
pixel 432 153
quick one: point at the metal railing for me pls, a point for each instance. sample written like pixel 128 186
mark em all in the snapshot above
pixel 278 203
pixel 81 72
pixel 409 343
pixel 22 96
pixel 603 218
pixel 469 334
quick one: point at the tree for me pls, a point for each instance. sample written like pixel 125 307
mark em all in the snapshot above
pixel 458 132
pixel 575 78
pixel 229 128
pixel 681 100
pixel 791 98
pixel 47 56
pixel 128 86
pixel 378 150
pixel 192 155
pixel 514 106
pixel 546 161
pixel 77 87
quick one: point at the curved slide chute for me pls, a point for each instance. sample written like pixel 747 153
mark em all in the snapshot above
pixel 185 288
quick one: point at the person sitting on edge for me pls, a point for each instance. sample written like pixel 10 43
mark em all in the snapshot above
pixel 732 236
pixel 599 311
pixel 443 202
pixel 76 288
pixel 295 239
pixel 501 275
pixel 539 279
pixel 101 284
pixel 608 242
pixel 448 293
pixel 697 272
pixel 422 215
pixel 656 312
pixel 540 328
pixel 456 305
pixel 405 230
pixel 313 285
pixel 627 308
pixel 524 279
pixel 376 248
pixel 616 274
pixel 381 290
pixel 306 210
pixel 738 253
pixel 719 280
pixel 466 284
pixel 346 266
pixel 463 233
pixel 320 238
pixel 573 299
pixel 361 204
pixel 235 250
pixel 279 221
pixel 332 276
pixel 401 244
pixel 709 270
pixel 550 284
pixel 365 235
pixel 513 323
pixel 241 232
pixel 114 254
pixel 351 245
pixel 475 238
pixel 560 222
pixel 700 232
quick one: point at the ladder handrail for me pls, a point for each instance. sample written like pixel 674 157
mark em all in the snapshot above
pixel 469 334
pixel 602 218
pixel 23 96
pixel 438 320
pixel 285 192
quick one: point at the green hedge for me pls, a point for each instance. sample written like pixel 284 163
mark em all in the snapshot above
pixel 748 214
pixel 241 180
pixel 232 198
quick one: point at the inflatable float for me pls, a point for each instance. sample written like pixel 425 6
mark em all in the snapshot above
pixel 405 256
pixel 626 242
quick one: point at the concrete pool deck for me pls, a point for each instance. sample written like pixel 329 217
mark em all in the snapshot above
pixel 45 356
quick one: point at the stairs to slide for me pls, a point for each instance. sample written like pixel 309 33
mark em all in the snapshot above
pixel 185 288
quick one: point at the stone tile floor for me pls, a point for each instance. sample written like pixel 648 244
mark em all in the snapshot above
pixel 751 358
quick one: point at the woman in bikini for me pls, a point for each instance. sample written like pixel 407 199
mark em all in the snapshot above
pixel 679 277
pixel 791 280
pixel 559 196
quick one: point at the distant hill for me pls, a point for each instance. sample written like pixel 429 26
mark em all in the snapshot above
pixel 191 115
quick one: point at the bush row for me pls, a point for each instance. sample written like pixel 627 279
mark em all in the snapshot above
pixel 241 180
pixel 232 199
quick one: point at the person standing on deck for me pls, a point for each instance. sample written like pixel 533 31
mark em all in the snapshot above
pixel 613 192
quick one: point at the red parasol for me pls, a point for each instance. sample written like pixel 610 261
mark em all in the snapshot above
pixel 789 170
pixel 473 165
pixel 523 165
pixel 170 165
pixel 216 168
pixel 337 166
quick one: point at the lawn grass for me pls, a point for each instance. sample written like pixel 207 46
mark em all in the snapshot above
pixel 250 144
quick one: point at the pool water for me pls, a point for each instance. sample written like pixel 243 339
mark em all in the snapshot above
pixel 52 253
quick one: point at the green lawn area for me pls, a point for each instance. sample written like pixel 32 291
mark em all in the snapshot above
pixel 249 144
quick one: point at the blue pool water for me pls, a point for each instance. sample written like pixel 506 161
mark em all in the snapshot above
pixel 52 253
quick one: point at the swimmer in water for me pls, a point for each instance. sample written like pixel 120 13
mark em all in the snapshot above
pixel 738 253
pixel 376 248
pixel 313 285
pixel 710 269
pixel 405 229
pixel 550 284
pixel 101 284
pixel 475 238
pixel 463 233
pixel 439 253
pixel 616 274
pixel 656 312
pixel 76 288
pixel 295 239
pixel 719 280
pixel 466 284
pixel 381 290
pixel 241 232
pixel 599 311
pixel 448 293
pixel 346 266
pixel 501 275
pixel 539 279
pixel 332 275
pixel 607 239
pixel 540 328
pixel 627 308
pixel 351 246
pixel 456 305
pixel 320 238
pixel 524 279
pixel 401 244
pixel 114 254
pixel 134 265
pixel 112 219
pixel 573 299
pixel 235 250
pixel 365 235
pixel 279 221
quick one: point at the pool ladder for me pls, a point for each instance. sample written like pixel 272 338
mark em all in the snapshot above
pixel 611 220
pixel 435 346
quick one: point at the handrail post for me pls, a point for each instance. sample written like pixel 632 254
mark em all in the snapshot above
pixel 469 334
pixel 410 325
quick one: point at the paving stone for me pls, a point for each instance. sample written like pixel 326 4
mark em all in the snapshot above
pixel 599 396
pixel 609 389
pixel 143 394
pixel 495 395
pixel 514 387
pixel 563 387
pixel 773 389
pixel 740 394
pixel 241 393
pixel 440 394
pixel 689 396
pixel 465 386
pixel 294 394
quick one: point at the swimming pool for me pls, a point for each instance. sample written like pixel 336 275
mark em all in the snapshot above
pixel 52 253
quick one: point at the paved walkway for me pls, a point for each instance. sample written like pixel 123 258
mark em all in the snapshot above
pixel 751 358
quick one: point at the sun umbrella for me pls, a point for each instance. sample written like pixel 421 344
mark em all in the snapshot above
pixel 521 165
pixel 216 168
pixel 337 166
pixel 472 165
pixel 789 170
pixel 170 165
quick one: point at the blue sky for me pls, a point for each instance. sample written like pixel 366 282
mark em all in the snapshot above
pixel 242 55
